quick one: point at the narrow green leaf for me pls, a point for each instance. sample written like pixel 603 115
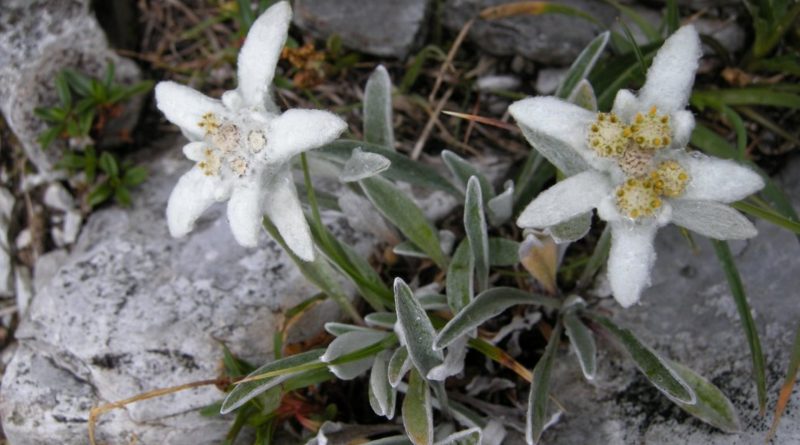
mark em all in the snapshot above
pixel 417 411
pixel 134 176
pixel 540 390
pixel 768 215
pixel 100 194
pixel 596 261
pixel 405 215
pixel 488 304
pixel 378 128
pixel 416 329
pixel 385 320
pixel 764 96
pixel 399 365
pixel 460 277
pixel 352 341
pixel 402 168
pixel 78 81
pixel 503 252
pixel 477 232
pixel 583 96
pixel 746 316
pixel 62 88
pixel 712 406
pixel 673 16
pixel 109 164
pixel 337 329
pixel 655 368
pixel 583 65
pixel 582 342
pixel 463 170
pixel 246 391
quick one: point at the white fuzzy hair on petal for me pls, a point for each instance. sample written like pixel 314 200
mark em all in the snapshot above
pixel 185 107
pixel 630 260
pixel 571 197
pixel 192 195
pixel 671 76
pixel 712 219
pixel 721 180
pixel 285 212
pixel 260 53
pixel 296 131
pixel 245 211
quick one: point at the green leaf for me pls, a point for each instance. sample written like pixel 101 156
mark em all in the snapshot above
pixel 85 122
pixel 385 320
pixel 378 128
pixel 582 341
pixel 768 215
pixel 540 390
pixel 402 168
pixel 381 394
pixel 109 164
pixel 337 329
pixel 459 277
pixel 488 304
pixel 572 229
pixel 62 88
pixel 51 114
pixel 399 365
pixel 100 194
pixel 763 96
pixel 405 215
pixel 598 258
pixel 417 411
pixel 246 16
pixel 583 65
pixel 475 226
pixel 655 368
pixel 123 196
pixel 134 176
pixel 352 341
pixel 535 173
pixel 673 16
pixel 78 81
pixel 416 329
pixel 110 71
pixel 712 406
pixel 503 252
pixel 49 135
pixel 292 365
pixel 746 316
pixel 463 170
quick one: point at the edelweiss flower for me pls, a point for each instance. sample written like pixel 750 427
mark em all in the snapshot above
pixel 243 145
pixel 632 166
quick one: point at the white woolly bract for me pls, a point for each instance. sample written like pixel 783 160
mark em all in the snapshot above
pixel 296 131
pixel 192 195
pixel 630 260
pixel 571 197
pixel 671 75
pixel 712 219
pixel 713 179
pixel 185 107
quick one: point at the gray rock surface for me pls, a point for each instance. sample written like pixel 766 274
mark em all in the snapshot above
pixel 38 38
pixel 380 27
pixel 132 309
pixel 689 316
pixel 549 38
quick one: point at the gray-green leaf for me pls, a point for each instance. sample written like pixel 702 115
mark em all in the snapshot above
pixel 362 165
pixel 404 213
pixel 711 406
pixel 246 391
pixel 712 219
pixel 583 65
pixel 503 252
pixel 462 170
pixel 540 389
pixel 378 128
pixel 459 277
pixel 655 368
pixel 399 365
pixel 582 341
pixel 416 329
pixel 572 229
pixel 475 226
pixel 381 394
pixel 488 304
pixel 417 411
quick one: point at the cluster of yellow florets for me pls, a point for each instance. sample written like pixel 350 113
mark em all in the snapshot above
pixel 610 137
pixel 641 196
pixel 227 144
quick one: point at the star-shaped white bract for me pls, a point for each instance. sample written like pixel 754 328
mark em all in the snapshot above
pixel 631 165
pixel 243 145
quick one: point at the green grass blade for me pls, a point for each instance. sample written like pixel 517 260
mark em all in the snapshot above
pixel 583 65
pixel 746 316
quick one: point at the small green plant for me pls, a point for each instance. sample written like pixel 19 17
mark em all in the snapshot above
pixel 85 107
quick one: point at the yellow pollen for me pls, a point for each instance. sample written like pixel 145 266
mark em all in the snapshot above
pixel 210 164
pixel 672 179
pixel 608 136
pixel 636 199
pixel 209 123
pixel 651 131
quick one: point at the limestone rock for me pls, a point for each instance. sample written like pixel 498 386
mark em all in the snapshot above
pixel 689 316
pixel 380 27
pixel 549 38
pixel 39 38
pixel 132 309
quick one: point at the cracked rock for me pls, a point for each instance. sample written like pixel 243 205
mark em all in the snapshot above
pixel 689 315
pixel 132 309
pixel 39 38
